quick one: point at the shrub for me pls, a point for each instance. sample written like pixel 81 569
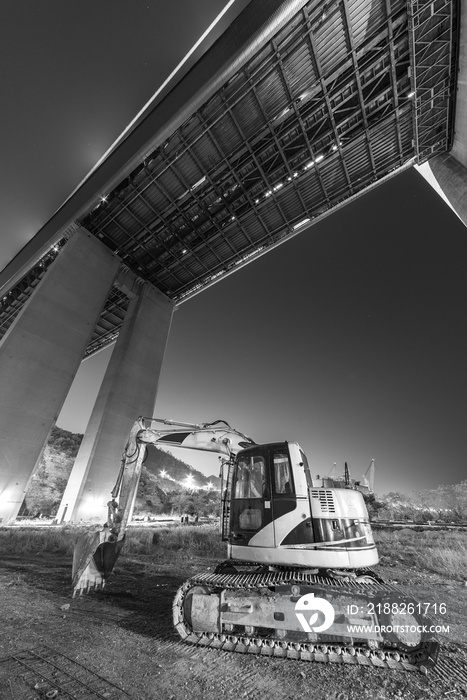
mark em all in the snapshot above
pixel 29 541
pixel 204 540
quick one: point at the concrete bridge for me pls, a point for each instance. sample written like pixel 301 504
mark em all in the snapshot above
pixel 296 110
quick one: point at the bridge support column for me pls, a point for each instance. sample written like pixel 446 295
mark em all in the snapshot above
pixel 40 355
pixel 128 390
pixel 449 178
pixel 447 172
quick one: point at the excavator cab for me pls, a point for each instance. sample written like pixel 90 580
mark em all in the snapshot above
pixel 276 514
pixel 251 498
pixel 262 491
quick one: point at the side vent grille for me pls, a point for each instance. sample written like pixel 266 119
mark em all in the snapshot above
pixel 326 500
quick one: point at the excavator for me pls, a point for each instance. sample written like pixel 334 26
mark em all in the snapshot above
pixel 297 582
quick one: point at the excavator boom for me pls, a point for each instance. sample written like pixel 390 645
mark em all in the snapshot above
pixel 97 551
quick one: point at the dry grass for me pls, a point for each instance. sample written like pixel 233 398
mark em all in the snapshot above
pixel 28 541
pixel 447 561
pixel 203 540
pixel 443 552
pixel 175 550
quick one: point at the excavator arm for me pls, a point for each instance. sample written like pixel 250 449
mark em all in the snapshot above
pixel 97 551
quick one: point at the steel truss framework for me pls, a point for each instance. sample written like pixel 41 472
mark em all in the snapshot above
pixel 347 92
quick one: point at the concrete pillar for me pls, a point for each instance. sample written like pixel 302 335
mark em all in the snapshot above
pixel 459 146
pixel 448 178
pixel 447 172
pixel 128 390
pixel 40 355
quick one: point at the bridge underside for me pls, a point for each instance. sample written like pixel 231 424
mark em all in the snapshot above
pixel 287 117
pixel 333 100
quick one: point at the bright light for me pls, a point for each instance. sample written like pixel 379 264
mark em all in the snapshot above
pixel 163 473
pixel 278 186
pixel 103 198
pixel 198 184
pixel 318 159
pixel 301 223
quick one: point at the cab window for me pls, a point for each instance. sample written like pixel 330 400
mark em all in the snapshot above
pixel 250 477
pixel 282 473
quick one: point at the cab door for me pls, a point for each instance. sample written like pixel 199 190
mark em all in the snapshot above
pixel 251 496
pixel 284 499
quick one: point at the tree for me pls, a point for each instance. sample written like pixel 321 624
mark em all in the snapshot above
pixel 373 506
pixel 181 502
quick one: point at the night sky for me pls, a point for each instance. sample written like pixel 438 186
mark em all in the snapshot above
pixel 350 339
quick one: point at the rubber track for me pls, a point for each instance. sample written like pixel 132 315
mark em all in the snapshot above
pixel 322 653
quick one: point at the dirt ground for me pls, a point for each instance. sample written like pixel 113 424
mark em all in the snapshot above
pixel 119 643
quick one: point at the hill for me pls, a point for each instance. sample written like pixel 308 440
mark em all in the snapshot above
pixel 173 473
pixel 446 503
pixel 167 484
pixel 48 483
pixel 170 485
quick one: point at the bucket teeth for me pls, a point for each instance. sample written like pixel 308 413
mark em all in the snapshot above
pixel 89 580
pixel 94 558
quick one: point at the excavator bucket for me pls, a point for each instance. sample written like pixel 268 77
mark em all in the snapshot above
pixel 94 558
pixel 97 551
